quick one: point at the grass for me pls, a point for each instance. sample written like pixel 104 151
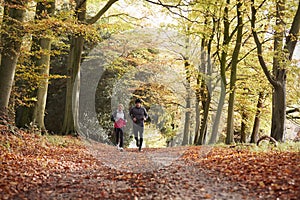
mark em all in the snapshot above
pixel 62 141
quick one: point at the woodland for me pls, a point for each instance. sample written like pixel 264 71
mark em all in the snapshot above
pixel 220 81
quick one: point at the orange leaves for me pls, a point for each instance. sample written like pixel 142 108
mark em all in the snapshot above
pixel 272 173
pixel 32 167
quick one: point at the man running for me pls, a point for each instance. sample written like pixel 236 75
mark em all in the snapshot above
pixel 138 114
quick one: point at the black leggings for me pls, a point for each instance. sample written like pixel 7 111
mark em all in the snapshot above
pixel 119 136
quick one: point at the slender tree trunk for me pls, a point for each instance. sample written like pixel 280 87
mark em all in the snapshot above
pixel 11 39
pixel 42 61
pixel 234 62
pixel 205 94
pixel 203 130
pixel 244 127
pixel 197 115
pixel 226 40
pixel 255 130
pixel 200 90
pixel 187 122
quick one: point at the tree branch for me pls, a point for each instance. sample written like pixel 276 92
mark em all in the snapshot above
pixel 259 46
pixel 249 52
pixel 292 38
pixel 165 5
pixel 101 12
pixel 78 6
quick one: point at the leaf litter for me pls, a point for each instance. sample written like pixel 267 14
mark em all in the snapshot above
pixel 31 167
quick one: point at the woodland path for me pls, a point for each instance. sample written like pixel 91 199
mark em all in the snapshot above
pixel 36 169
pixel 151 174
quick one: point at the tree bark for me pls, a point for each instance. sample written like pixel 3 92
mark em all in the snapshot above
pixel 11 39
pixel 278 77
pixel 277 70
pixel 226 40
pixel 197 111
pixel 187 122
pixel 42 61
pixel 255 130
pixel 200 90
pixel 243 127
pixel 73 65
pixel 234 62
pixel 205 95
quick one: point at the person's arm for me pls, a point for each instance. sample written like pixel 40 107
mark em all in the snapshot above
pixel 130 113
pixel 113 116
pixel 145 114
pixel 133 117
pixel 125 116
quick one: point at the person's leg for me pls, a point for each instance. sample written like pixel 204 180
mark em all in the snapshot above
pixel 135 132
pixel 121 138
pixel 141 131
pixel 117 136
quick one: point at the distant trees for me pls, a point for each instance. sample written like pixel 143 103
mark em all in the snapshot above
pixel 269 28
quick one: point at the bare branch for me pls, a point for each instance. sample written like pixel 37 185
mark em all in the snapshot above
pixel 101 12
pixel 291 39
pixel 259 46
pixel 249 52
pixel 165 5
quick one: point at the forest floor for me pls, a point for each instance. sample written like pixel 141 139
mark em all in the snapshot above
pixel 56 167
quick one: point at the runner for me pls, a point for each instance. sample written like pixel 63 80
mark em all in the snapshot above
pixel 119 119
pixel 138 114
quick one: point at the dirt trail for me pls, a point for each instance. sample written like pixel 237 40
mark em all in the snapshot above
pixel 151 174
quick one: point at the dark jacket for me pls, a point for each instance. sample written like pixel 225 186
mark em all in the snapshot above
pixel 139 114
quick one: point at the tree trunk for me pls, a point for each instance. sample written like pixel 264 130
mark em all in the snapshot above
pixel 197 115
pixel 226 40
pixel 42 61
pixel 204 93
pixel 200 91
pixel 243 127
pixel 187 122
pixel 41 47
pixel 254 135
pixel 11 39
pixel 279 109
pixel 277 72
pixel 73 66
pixel 234 62
pixel 71 107
pixel 203 130
pixel 280 60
